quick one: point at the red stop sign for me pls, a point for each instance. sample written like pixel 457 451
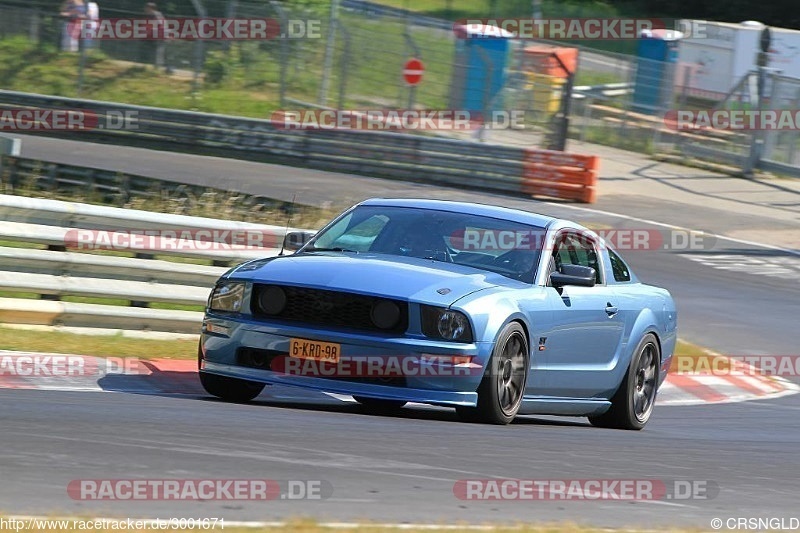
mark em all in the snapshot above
pixel 413 71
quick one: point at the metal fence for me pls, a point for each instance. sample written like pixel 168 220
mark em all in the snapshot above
pixel 355 61
pixel 783 146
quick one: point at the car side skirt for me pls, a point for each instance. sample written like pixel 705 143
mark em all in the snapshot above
pixel 563 406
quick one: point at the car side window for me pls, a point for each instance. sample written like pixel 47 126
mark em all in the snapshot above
pixel 572 249
pixel 619 268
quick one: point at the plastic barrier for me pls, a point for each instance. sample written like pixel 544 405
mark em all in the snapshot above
pixel 560 175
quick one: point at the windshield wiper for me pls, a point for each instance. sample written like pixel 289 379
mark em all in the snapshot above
pixel 335 249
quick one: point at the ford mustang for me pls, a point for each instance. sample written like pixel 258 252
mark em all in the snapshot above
pixel 493 311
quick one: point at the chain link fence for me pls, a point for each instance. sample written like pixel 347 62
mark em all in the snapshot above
pixel 783 146
pixel 354 58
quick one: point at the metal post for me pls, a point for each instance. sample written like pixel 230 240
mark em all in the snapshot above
pixel 329 49
pixel 562 128
pixel 757 143
pixel 345 61
pixel 412 92
pixel 793 141
pixel 283 50
pixel 81 61
pixel 230 13
pixel 489 67
pixel 198 51
pixel 537 9
pixel 771 137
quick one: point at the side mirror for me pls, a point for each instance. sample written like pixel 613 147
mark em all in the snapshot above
pixel 579 275
pixel 294 240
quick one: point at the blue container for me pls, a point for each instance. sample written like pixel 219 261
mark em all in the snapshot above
pixel 480 68
pixel 657 52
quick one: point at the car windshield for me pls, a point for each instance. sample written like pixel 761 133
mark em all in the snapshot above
pixel 480 242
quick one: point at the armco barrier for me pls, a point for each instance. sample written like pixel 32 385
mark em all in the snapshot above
pixel 560 175
pixel 419 158
pixel 157 276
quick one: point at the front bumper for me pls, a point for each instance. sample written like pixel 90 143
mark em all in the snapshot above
pixel 224 341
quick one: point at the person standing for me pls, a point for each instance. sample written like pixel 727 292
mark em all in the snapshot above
pixel 157 44
pixel 72 13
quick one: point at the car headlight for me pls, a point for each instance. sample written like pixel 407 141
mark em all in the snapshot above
pixel 447 324
pixel 227 296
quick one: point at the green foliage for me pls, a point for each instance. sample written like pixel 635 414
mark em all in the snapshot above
pixel 216 67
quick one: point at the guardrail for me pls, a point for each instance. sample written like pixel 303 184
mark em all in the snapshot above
pixel 391 155
pixel 111 186
pixel 90 253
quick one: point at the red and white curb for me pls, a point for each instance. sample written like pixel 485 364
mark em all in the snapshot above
pixel 28 370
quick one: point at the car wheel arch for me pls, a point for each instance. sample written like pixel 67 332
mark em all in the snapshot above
pixel 523 324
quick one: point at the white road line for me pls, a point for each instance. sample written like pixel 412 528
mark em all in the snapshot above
pixel 673 226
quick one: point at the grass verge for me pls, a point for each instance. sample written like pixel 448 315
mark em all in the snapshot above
pixel 95 345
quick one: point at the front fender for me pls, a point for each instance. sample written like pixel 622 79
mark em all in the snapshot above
pixel 490 313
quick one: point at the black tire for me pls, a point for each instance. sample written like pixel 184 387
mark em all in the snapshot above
pixel 632 404
pixel 503 385
pixel 230 389
pixel 378 405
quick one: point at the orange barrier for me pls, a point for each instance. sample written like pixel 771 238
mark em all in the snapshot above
pixel 540 58
pixel 560 175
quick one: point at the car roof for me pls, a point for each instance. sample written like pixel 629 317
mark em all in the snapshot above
pixel 503 213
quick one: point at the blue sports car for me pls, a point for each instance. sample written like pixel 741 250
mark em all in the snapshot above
pixel 494 311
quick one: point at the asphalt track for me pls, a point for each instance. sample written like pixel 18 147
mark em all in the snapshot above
pixel 402 468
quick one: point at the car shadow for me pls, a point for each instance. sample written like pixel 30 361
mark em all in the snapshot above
pixel 157 381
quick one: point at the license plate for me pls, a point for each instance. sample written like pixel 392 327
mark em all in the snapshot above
pixel 318 351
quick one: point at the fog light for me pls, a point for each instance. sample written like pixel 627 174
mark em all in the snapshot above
pixel 272 300
pixel 385 314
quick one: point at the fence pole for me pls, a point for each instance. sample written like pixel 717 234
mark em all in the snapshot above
pixel 198 52
pixel 81 62
pixel 560 141
pixel 329 45
pixel 345 63
pixel 412 92
pixel 283 51
pixel 486 60
pixel 757 143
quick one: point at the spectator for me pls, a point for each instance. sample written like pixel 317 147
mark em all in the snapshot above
pixel 72 12
pixel 156 45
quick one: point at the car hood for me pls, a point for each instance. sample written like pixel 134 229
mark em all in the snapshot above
pixel 405 278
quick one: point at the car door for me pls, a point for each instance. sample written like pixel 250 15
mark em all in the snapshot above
pixel 584 339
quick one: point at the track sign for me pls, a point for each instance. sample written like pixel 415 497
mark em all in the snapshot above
pixel 413 71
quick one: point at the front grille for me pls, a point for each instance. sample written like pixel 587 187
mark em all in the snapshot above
pixel 329 308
